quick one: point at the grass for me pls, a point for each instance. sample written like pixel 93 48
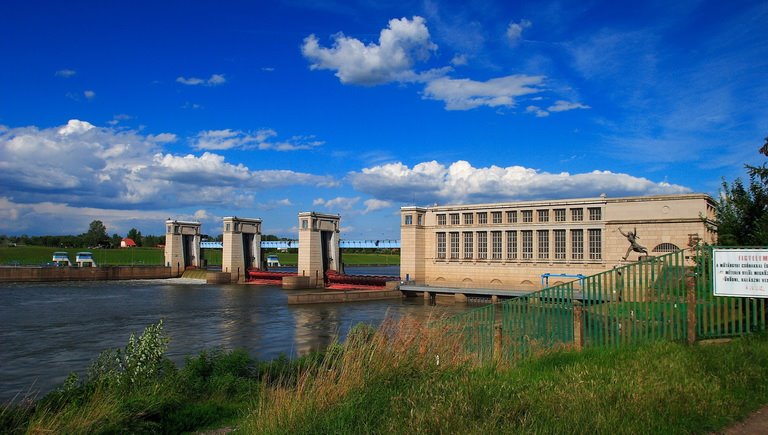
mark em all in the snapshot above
pixel 349 259
pixel 407 378
pixel 39 255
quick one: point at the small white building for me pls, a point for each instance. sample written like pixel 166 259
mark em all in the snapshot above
pixel 273 261
pixel 85 259
pixel 61 258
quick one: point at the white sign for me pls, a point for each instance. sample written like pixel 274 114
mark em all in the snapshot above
pixel 740 272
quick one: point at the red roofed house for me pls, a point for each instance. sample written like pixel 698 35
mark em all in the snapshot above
pixel 127 243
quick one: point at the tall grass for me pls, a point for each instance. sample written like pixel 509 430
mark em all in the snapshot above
pixel 407 377
pixel 393 382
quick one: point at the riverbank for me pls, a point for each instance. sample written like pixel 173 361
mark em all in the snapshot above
pixel 406 377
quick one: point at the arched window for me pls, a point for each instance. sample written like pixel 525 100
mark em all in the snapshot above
pixel 665 248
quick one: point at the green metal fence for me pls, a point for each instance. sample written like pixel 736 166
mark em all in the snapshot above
pixel 537 322
pixel 642 301
pixel 476 328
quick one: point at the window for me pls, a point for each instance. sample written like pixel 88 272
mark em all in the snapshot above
pixel 543 244
pixel 527 216
pixel 559 215
pixel 577 214
pixel 527 244
pixel 170 228
pixel 543 215
pixel 482 218
pixel 595 213
pixel 420 219
pixel 454 218
pixel 577 244
pixel 468 219
pixel 409 219
pixel 304 224
pixel 454 246
pixel 496 245
pixel 511 217
pixel 441 219
pixel 482 245
pixel 496 217
pixel 440 245
pixel 511 245
pixel 666 248
pixel 559 243
pixel 595 245
pixel 468 245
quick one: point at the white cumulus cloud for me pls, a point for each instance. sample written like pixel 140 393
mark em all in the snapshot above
pixel 562 106
pixel 465 94
pixel 82 165
pixel 460 182
pixel 375 204
pixel 338 203
pixel 261 139
pixel 400 46
pixel 515 31
pixel 213 80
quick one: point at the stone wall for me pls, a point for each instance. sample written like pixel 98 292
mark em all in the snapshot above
pixel 45 274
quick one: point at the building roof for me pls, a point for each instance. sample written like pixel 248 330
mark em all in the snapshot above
pixel 127 242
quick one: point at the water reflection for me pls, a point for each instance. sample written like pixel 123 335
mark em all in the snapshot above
pixel 51 329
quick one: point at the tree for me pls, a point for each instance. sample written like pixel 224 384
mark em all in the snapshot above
pixel 741 211
pixel 135 235
pixel 96 235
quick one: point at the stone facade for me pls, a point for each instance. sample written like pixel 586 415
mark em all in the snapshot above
pixel 242 246
pixel 510 245
pixel 182 244
pixel 319 245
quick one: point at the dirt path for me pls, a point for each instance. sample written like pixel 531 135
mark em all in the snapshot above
pixel 756 423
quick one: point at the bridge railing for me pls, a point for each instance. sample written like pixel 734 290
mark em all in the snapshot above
pixel 288 244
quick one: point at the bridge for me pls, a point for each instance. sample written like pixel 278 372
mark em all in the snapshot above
pixel 286 244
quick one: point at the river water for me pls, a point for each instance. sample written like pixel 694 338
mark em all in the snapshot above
pixel 48 330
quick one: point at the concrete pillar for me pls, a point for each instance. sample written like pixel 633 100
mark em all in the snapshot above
pixel 691 308
pixel 578 325
pixel 182 243
pixel 318 246
pixel 460 297
pixel 494 299
pixel 498 346
pixel 242 238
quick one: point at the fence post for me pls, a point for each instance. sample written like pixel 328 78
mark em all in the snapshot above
pixel 497 345
pixel 691 311
pixel 578 325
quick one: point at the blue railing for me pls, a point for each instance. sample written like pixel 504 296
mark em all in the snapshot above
pixel 286 244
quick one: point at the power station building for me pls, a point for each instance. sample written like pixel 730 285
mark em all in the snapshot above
pixel 512 245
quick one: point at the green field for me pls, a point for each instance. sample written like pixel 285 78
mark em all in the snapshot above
pixel 350 259
pixel 39 255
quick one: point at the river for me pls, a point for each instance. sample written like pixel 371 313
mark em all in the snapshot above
pixel 48 330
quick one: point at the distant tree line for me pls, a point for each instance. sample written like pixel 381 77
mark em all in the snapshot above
pixel 95 237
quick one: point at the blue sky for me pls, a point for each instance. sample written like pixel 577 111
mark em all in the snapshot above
pixel 133 112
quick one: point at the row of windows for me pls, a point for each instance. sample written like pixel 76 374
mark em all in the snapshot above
pixel 515 216
pixel 466 248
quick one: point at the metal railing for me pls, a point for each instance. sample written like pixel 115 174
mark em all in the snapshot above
pixel 667 297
